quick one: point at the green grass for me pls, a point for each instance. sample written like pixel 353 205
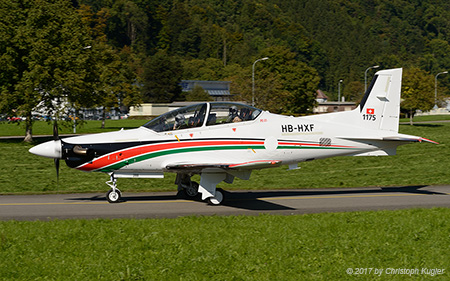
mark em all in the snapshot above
pixel 87 127
pixel 265 247
pixel 426 118
pixel 414 164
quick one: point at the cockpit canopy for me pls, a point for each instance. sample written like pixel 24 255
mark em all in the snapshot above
pixel 203 114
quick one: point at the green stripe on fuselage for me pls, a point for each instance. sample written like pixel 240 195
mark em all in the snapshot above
pixel 143 157
pixel 147 156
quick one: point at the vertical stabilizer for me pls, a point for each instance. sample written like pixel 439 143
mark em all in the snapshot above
pixel 380 107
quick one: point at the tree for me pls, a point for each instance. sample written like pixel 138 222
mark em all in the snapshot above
pixel 43 58
pixel 198 94
pixel 127 24
pixel 354 91
pixel 161 78
pixel 299 81
pixel 269 92
pixel 417 91
pixel 198 69
pixel 116 81
pixel 117 85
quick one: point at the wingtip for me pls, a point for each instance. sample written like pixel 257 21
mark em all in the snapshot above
pixel 427 140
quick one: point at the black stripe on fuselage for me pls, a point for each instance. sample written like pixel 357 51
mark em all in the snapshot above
pixel 99 149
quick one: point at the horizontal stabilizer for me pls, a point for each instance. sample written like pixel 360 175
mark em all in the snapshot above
pixel 406 138
pixel 399 138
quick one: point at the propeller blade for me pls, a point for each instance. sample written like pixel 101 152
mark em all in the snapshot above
pixel 57 168
pixel 55 131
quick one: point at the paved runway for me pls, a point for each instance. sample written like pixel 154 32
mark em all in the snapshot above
pixel 168 205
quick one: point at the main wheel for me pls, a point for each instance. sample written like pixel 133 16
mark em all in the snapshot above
pixel 217 199
pixel 113 196
pixel 192 189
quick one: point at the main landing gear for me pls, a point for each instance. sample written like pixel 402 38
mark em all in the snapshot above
pixel 113 195
pixel 192 189
pixel 186 186
pixel 217 199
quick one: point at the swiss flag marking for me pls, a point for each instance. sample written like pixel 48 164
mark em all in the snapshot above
pixel 370 111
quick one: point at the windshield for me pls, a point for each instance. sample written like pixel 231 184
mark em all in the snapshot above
pixel 185 117
pixel 226 112
pixel 194 116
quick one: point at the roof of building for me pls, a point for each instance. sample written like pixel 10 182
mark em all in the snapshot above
pixel 213 88
pixel 321 95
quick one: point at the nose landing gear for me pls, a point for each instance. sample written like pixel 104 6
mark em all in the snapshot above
pixel 113 195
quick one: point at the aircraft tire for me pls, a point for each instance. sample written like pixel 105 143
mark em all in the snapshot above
pixel 192 190
pixel 216 200
pixel 113 197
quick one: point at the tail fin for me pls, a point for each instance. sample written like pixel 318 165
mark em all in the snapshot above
pixel 380 106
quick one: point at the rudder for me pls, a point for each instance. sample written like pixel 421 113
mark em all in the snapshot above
pixel 380 106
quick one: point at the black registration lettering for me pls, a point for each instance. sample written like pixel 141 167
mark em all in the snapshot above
pixel 369 117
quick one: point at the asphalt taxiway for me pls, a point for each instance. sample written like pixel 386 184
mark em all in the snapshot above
pixel 169 205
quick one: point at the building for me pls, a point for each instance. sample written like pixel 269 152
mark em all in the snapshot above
pixel 325 106
pixel 156 109
pixel 321 97
pixel 444 110
pixel 334 106
pixel 218 90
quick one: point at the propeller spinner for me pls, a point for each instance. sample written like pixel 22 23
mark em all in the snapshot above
pixel 50 149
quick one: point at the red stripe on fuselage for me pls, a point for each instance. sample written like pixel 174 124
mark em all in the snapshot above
pixel 124 154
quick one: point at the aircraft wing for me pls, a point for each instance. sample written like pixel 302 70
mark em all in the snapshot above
pixel 225 166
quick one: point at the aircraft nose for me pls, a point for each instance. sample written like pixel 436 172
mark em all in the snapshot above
pixel 50 149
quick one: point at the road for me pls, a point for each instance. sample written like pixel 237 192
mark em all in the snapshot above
pixel 168 205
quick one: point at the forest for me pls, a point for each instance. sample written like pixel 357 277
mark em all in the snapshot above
pixel 139 50
pixel 330 40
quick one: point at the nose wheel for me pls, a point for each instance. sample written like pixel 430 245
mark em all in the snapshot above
pixel 113 195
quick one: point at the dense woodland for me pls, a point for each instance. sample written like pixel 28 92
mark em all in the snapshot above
pixel 336 39
pixel 124 52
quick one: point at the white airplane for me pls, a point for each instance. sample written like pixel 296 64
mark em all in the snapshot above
pixel 224 140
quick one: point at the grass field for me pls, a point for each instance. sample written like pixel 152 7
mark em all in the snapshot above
pixel 87 127
pixel 266 247
pixel 414 164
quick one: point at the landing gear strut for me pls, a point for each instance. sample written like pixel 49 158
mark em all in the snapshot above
pixel 185 185
pixel 206 190
pixel 113 195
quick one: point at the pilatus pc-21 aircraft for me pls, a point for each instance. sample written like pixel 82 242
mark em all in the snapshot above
pixel 223 140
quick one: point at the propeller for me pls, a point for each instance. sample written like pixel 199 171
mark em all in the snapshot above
pixel 55 138
pixel 55 130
